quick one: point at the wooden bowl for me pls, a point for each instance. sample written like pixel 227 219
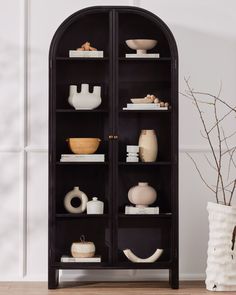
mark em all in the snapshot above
pixel 84 145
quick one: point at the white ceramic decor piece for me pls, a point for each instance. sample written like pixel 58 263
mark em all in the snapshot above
pixel 132 148
pixel 83 249
pixel 72 93
pixel 75 193
pixel 132 257
pixel 85 100
pixel 95 206
pixel 148 146
pixel 142 195
pixel 141 45
pixel 221 261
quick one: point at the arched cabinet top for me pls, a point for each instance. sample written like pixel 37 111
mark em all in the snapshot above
pixel 100 24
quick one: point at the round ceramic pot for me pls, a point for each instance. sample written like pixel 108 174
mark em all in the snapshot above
pixel 142 195
pixel 75 193
pixel 148 146
pixel 95 206
pixel 82 249
pixel 221 260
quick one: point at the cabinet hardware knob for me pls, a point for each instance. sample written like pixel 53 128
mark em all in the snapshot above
pixel 115 136
pixel 110 136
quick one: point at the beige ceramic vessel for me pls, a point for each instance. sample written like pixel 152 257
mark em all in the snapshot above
pixel 82 249
pixel 84 145
pixel 142 195
pixel 148 146
pixel 141 45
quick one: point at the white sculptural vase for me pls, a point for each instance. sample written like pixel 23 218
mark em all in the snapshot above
pixel 221 260
pixel 85 100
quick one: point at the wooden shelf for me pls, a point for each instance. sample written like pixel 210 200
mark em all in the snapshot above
pixel 146 216
pixel 144 163
pixel 144 111
pixel 82 58
pixel 120 265
pixel 80 163
pixel 144 59
pixel 81 111
pixel 79 216
pixel 80 265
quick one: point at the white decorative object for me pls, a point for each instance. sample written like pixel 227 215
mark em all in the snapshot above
pixel 145 106
pixel 148 147
pixel 80 259
pixel 137 210
pixel 132 257
pixel 85 53
pixel 75 193
pixel 132 148
pixel 85 100
pixel 132 153
pixel 82 158
pixel 130 159
pixel 143 55
pixel 141 45
pixel 95 206
pixel 82 249
pixel 221 261
pixel 142 195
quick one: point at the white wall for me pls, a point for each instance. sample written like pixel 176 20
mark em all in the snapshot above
pixel 205 34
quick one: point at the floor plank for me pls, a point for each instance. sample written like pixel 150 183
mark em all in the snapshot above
pixel 103 288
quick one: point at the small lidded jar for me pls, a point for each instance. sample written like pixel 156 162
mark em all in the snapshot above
pixel 95 206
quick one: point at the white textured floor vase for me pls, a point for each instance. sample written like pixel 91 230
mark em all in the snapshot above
pixel 221 261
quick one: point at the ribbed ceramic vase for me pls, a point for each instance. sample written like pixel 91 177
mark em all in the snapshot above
pixel 221 261
pixel 148 146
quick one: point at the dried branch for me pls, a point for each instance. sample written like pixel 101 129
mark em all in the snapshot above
pixel 199 172
pixel 205 129
pixel 232 192
pixel 217 98
pixel 219 176
pixel 231 160
pixel 210 164
pixel 221 138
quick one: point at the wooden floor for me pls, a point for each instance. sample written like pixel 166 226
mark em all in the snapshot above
pixel 102 288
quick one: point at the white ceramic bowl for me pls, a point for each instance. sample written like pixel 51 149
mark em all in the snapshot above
pixel 141 45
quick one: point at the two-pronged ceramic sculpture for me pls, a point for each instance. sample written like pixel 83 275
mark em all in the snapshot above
pixel 84 100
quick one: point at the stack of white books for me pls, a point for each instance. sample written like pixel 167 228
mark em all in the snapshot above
pixel 143 55
pixel 82 158
pixel 85 53
pixel 73 259
pixel 144 210
pixel 144 106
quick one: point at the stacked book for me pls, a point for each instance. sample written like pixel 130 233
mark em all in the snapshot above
pixel 144 106
pixel 144 210
pixel 82 158
pixel 143 55
pixel 82 259
pixel 85 53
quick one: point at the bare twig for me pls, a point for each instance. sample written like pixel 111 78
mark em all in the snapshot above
pixel 232 192
pixel 219 176
pixel 217 98
pixel 210 164
pixel 231 153
pixel 199 172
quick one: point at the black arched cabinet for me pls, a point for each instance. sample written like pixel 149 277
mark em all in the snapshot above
pixel 107 28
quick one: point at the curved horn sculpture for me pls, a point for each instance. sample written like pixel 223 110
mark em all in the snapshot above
pixel 132 257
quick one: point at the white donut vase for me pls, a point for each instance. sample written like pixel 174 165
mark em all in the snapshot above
pixel 75 193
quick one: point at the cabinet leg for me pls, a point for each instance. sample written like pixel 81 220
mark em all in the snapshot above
pixel 53 277
pixel 174 278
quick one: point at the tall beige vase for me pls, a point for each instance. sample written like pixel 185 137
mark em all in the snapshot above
pixel 148 146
